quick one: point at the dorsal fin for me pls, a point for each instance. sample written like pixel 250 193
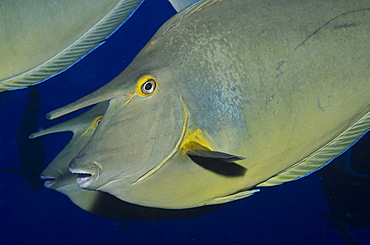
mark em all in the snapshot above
pixel 324 155
pixel 179 5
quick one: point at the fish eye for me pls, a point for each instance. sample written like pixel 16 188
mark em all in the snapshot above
pixel 96 122
pixel 146 86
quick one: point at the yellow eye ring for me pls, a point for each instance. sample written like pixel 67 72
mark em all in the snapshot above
pixel 146 86
pixel 96 122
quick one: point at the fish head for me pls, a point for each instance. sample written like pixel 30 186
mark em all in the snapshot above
pixel 56 175
pixel 142 127
pixel 147 150
pixel 146 135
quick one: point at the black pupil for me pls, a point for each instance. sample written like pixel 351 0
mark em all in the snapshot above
pixel 148 86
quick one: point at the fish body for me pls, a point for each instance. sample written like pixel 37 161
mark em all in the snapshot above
pixel 229 96
pixel 41 39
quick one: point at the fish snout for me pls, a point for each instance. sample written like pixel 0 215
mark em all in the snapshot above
pixel 87 172
pixel 51 177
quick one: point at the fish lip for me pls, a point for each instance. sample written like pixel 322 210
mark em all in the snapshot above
pixel 84 179
pixel 49 181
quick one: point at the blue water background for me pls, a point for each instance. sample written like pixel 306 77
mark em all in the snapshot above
pixel 287 214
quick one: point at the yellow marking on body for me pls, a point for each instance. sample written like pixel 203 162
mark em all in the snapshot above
pixel 130 98
pixel 175 149
pixel 98 164
pixel 196 141
pixel 93 125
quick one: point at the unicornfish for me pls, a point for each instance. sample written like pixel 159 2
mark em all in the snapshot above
pixel 228 97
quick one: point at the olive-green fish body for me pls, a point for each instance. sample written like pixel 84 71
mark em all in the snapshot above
pixel 228 96
pixel 39 39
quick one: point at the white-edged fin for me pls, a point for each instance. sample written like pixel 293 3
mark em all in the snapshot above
pixel 324 155
pixel 179 5
pixel 87 42
pixel 232 197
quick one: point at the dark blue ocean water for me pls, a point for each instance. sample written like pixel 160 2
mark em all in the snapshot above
pixel 289 214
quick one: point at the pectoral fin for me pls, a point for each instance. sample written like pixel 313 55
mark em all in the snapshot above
pixel 214 155
pixel 198 147
pixel 217 162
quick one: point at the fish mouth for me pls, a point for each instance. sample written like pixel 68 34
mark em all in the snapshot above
pixel 83 179
pixel 49 181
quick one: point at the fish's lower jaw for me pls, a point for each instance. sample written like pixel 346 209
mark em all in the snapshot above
pixel 83 179
pixel 49 181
